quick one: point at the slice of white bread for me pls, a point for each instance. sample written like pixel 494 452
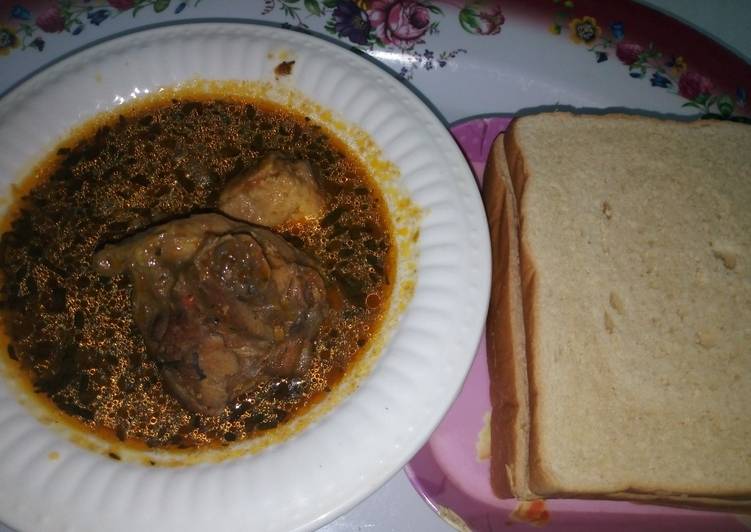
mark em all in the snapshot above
pixel 507 364
pixel 619 338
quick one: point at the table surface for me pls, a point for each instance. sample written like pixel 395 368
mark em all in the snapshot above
pixel 396 506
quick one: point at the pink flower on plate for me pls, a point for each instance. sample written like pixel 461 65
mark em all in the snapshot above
pixel 482 17
pixel 122 5
pixel 51 20
pixel 692 85
pixel 628 52
pixel 399 22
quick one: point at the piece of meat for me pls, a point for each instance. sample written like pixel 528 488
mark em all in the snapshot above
pixel 221 304
pixel 278 192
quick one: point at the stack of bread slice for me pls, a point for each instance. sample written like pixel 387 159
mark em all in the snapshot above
pixel 619 333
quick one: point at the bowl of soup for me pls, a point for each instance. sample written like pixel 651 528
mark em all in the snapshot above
pixel 244 274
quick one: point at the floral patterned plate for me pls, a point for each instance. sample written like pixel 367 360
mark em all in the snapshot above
pixel 466 58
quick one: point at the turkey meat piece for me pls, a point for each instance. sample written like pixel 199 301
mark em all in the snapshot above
pixel 278 192
pixel 221 305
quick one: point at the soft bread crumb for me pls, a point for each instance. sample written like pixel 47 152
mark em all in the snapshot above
pixel 706 338
pixel 453 519
pixel 728 258
pixel 482 445
pixel 616 302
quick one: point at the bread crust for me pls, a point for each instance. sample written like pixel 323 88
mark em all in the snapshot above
pixel 517 170
pixel 530 478
pixel 505 334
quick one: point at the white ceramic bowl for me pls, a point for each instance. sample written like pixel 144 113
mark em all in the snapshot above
pixel 345 454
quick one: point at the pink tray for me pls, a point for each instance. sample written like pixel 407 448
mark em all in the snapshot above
pixel 448 475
